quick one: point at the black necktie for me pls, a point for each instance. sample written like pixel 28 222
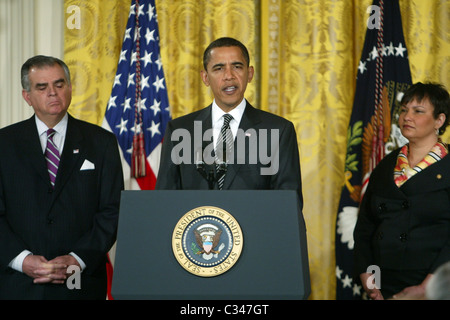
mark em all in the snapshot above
pixel 224 146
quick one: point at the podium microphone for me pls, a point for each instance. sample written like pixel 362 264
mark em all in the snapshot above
pixel 201 168
pixel 208 175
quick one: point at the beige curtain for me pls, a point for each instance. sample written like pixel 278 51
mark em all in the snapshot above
pixel 305 53
pixel 27 27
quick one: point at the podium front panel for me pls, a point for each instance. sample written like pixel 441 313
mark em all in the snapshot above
pixel 273 263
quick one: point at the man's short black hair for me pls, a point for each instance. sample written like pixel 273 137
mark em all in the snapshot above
pixel 225 42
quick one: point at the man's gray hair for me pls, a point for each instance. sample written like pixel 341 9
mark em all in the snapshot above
pixel 40 61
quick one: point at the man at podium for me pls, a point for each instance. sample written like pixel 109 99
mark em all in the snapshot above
pixel 250 155
pixel 229 145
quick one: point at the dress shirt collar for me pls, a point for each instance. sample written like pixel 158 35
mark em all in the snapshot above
pixel 59 136
pixel 217 114
pixel 217 119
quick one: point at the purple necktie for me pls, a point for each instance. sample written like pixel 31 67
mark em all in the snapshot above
pixel 52 156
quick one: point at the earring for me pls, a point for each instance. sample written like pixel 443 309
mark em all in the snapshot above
pixel 437 132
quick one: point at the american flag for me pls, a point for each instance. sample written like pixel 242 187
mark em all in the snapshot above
pixel 383 74
pixel 138 108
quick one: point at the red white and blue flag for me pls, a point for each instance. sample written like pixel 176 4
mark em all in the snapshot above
pixel 138 108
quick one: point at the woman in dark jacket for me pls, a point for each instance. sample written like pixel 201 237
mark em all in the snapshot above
pixel 403 227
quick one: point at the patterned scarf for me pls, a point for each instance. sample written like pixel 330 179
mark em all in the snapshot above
pixel 403 171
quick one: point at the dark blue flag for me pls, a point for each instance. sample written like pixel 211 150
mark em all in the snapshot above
pixel 138 108
pixel 383 74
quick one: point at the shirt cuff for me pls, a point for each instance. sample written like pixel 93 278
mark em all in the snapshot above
pixel 81 262
pixel 17 262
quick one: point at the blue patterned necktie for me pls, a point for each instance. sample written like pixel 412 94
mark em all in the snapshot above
pixel 52 156
pixel 224 146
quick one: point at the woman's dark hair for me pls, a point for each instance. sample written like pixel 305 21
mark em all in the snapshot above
pixel 436 94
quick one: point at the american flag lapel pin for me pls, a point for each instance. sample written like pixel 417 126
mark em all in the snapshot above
pixel 75 151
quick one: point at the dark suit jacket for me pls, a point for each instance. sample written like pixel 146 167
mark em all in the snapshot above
pixel 80 215
pixel 406 228
pixel 243 173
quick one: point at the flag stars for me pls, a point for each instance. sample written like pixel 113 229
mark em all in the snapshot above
pixel 385 51
pixel 126 105
pixel 123 56
pixel 390 49
pixel 338 272
pixel 140 10
pixel 149 35
pixel 356 290
pixel 122 126
pixel 136 129
pixel 159 83
pixel 127 35
pixel 142 104
pixel 152 101
pixel 132 10
pixel 347 281
pixel 133 58
pixel 155 107
pixel 130 79
pixel 154 129
pixel 117 80
pixel 112 102
pixel 145 84
pixel 151 12
pixel 362 67
pixel 374 53
pixel 136 32
pixel 147 58
pixel 159 63
pixel 399 50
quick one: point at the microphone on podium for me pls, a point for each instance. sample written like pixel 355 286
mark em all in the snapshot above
pixel 209 175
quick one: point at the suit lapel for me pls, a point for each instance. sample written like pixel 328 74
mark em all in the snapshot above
pixel 70 156
pixel 32 149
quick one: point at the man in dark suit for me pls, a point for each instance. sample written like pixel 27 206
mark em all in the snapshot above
pixel 61 216
pixel 264 154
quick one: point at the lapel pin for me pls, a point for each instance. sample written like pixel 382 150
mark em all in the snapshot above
pixel 76 151
pixel 439 176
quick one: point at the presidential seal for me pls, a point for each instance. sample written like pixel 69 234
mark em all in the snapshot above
pixel 207 241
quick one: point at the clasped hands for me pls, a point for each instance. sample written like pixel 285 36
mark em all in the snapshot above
pixel 44 271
